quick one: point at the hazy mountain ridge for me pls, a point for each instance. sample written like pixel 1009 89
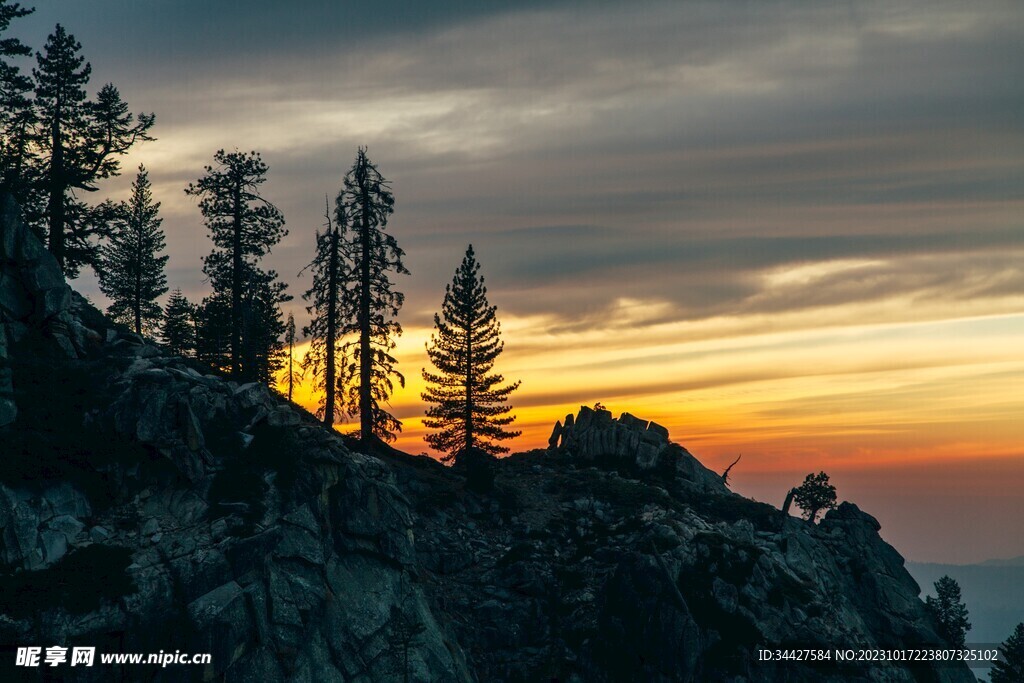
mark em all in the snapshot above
pixel 147 504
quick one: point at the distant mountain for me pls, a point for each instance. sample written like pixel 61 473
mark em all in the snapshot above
pixel 1004 562
pixel 993 591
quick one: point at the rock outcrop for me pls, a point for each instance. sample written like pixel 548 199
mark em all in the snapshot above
pixel 33 297
pixel 585 566
pixel 630 445
pixel 148 504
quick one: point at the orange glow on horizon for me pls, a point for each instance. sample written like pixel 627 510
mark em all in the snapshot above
pixel 793 396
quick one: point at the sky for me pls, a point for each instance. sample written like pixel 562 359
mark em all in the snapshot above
pixel 787 230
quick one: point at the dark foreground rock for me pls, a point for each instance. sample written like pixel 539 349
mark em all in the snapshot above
pixel 147 505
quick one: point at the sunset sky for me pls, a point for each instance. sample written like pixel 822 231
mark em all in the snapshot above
pixel 788 230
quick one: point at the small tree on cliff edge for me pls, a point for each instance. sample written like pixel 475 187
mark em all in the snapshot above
pixel 469 404
pixel 815 495
pixel 949 611
pixel 1010 668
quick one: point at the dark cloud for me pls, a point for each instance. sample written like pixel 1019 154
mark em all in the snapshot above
pixel 673 152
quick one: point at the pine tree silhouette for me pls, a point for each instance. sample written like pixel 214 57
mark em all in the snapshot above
pixel 79 143
pixel 179 327
pixel 131 272
pixel 469 404
pixel 243 226
pixel 326 295
pixel 1010 667
pixel 17 113
pixel 263 326
pixel 293 373
pixel 949 611
pixel 369 303
pixel 213 331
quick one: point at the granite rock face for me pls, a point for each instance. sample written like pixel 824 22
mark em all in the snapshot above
pixel 148 504
pixel 574 571
pixel 33 297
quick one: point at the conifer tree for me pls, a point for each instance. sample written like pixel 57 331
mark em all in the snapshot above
pixel 369 303
pixel 17 114
pixel 1010 667
pixel 179 327
pixel 243 226
pixel 293 373
pixel 263 326
pixel 132 273
pixel 469 404
pixel 213 331
pixel 949 611
pixel 323 359
pixel 79 142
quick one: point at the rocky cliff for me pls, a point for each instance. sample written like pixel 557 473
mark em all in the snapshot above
pixel 147 504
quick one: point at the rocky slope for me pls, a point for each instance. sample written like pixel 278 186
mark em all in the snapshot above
pixel 147 504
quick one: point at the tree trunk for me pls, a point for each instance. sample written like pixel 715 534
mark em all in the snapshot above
pixel 137 299
pixel 330 371
pixel 291 365
pixel 365 351
pixel 788 501
pixel 469 390
pixel 55 206
pixel 236 285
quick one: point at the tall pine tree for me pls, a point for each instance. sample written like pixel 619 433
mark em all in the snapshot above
pixel 243 226
pixel 179 326
pixel 293 372
pixel 132 272
pixel 79 142
pixel 17 114
pixel 323 359
pixel 369 303
pixel 469 406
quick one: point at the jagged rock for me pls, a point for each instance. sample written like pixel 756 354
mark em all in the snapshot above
pixel 253 395
pixel 655 635
pixel 54 545
pixel 221 626
pixel 32 288
pixel 633 445
pixel 8 409
pixel 556 435
pixel 283 417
